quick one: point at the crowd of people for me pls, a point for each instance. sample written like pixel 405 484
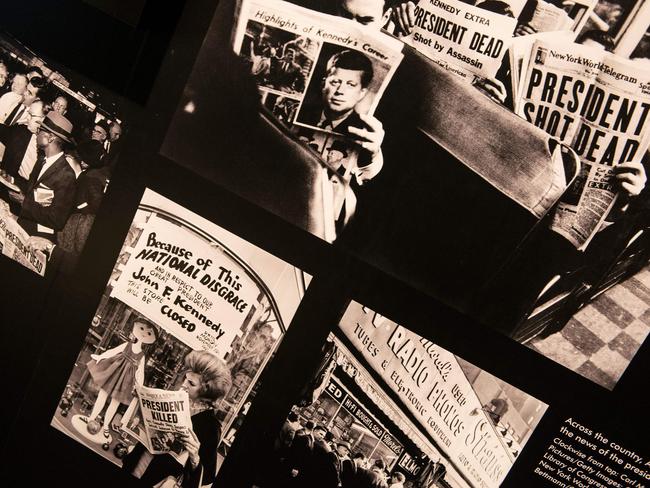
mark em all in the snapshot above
pixel 55 170
pixel 275 66
pixel 308 455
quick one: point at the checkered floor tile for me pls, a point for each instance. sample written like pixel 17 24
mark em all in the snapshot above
pixel 600 340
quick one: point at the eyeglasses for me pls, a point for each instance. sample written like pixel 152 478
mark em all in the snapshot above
pixel 99 131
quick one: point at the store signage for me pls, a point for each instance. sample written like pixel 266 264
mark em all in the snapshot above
pixel 363 416
pixel 408 464
pixel 431 385
pixel 391 443
pixel 358 412
pixel 187 287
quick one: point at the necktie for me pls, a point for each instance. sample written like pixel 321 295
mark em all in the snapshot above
pixel 16 114
pixel 36 171
pixel 326 124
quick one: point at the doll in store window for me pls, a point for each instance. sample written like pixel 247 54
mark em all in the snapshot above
pixel 116 371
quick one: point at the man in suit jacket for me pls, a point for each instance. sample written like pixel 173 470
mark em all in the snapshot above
pixel 350 470
pixel 19 113
pixel 325 465
pixel 374 476
pixel 287 433
pixel 287 74
pixel 21 151
pixel 300 454
pixel 10 100
pixel 49 196
pixel 348 75
pixel 112 144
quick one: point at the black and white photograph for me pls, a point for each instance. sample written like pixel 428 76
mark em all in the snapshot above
pixel 390 408
pixel 342 89
pixel 282 107
pixel 187 323
pixel 279 60
pixel 59 144
pixel 325 243
pixel 471 181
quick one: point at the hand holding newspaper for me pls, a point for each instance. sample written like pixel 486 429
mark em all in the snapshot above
pixel 165 417
pixel 598 104
pixel 322 77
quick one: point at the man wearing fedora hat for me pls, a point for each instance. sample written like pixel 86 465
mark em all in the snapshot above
pixel 50 192
pixel 337 152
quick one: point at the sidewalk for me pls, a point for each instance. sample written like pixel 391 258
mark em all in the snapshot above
pixel 600 340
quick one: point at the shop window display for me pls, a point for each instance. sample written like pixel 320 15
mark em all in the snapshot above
pixel 186 325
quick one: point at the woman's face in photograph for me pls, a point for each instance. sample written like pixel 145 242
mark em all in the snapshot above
pixel 192 385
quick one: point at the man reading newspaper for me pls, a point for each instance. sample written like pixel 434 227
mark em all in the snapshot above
pixel 343 70
pixel 338 101
pixel 598 104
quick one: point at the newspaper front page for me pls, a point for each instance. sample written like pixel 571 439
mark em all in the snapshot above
pixel 571 16
pixel 519 52
pixel 165 416
pixel 462 38
pixel 597 103
pixel 290 49
pixel 13 242
pixel 319 75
